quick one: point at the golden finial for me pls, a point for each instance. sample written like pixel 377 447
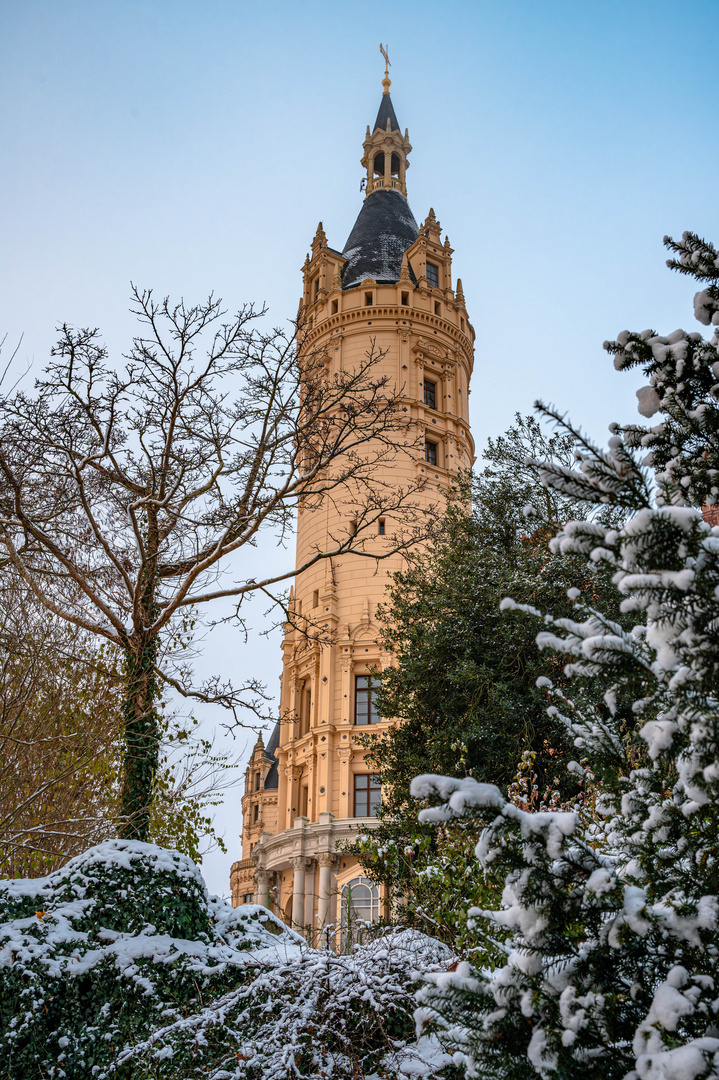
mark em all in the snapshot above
pixel 386 82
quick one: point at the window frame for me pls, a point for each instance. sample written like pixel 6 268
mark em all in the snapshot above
pixel 430 390
pixel 434 267
pixel 372 805
pixel 430 452
pixel 370 705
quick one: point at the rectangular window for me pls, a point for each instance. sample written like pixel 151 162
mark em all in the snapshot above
pixel 257 781
pixel 249 898
pixel 335 306
pixel 368 793
pixel 433 275
pixel 368 299
pixel 430 394
pixel 366 710
pixel 304 800
pixel 437 308
pixel 405 299
pixel 256 814
pixel 380 526
pixel 430 452
pixel 315 598
pixel 317 287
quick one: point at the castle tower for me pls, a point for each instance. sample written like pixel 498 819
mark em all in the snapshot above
pixel 391 285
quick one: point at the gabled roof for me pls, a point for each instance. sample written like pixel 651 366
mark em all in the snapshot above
pixel 386 112
pixel 384 229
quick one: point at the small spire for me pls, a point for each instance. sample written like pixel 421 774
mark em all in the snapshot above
pixel 459 294
pixel 320 240
pixel 386 82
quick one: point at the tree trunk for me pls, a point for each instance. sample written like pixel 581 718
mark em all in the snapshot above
pixel 141 731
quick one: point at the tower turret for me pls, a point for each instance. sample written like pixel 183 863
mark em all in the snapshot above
pixel 388 290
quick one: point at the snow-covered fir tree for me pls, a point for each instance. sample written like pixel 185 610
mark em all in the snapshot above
pixel 606 937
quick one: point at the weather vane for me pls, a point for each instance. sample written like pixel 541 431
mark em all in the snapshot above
pixel 386 81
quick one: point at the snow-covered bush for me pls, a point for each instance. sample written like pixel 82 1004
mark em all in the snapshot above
pixel 607 959
pixel 314 1015
pixel 121 965
pixel 121 939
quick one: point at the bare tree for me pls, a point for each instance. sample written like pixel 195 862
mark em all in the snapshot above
pixel 127 496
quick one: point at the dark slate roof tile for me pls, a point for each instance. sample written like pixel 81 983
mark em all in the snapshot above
pixel 386 112
pixel 384 229
pixel 272 780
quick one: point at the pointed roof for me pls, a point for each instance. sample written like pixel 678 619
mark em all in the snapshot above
pixel 386 112
pixel 272 778
pixel 384 229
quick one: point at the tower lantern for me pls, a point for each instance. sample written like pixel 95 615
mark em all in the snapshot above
pixel 385 148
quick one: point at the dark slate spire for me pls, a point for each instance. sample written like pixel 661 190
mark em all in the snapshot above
pixel 386 112
pixel 383 231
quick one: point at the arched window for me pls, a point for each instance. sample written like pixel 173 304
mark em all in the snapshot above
pixel 394 165
pixel 379 164
pixel 360 906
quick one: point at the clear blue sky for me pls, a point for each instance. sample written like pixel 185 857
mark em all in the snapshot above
pixel 193 146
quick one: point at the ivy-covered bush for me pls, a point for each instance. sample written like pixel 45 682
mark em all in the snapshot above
pixel 121 965
pixel 120 940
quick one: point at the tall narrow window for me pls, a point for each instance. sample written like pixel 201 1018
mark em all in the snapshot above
pixel 257 781
pixel 379 164
pixel 315 598
pixel 380 526
pixel 368 793
pixel 430 394
pixel 317 287
pixel 433 275
pixel 405 299
pixel 305 707
pixel 366 710
pixel 256 814
pixel 368 299
pixel 430 452
pixel 304 800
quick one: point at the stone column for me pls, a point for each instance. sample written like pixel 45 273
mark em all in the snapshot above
pixel 328 863
pixel 262 878
pixel 298 893
pixel 309 919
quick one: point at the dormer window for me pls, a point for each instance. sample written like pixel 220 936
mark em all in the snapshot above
pixel 433 275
